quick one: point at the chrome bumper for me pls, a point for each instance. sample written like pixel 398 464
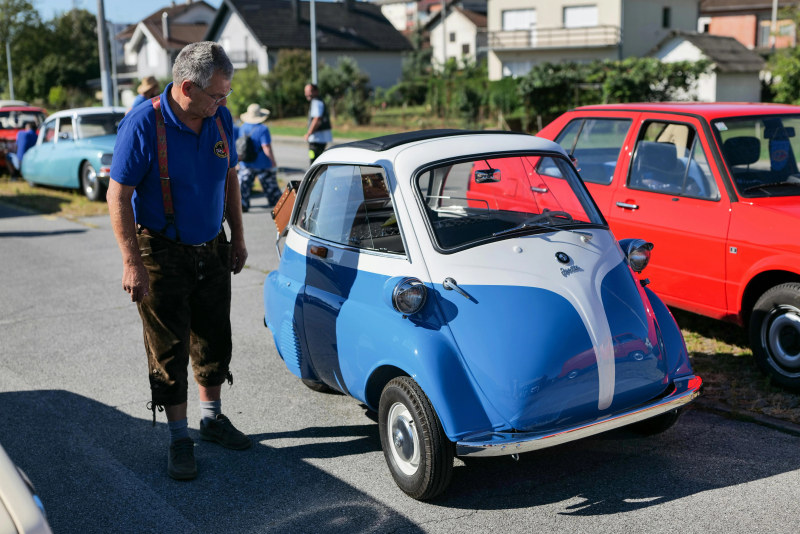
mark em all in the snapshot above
pixel 504 443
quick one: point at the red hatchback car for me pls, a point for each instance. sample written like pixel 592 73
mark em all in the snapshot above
pixel 716 188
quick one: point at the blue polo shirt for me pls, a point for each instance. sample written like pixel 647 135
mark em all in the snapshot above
pixel 140 99
pixel 197 172
pixel 25 140
pixel 259 135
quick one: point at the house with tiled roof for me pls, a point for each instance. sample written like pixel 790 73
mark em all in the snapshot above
pixel 462 38
pixel 152 44
pixel 255 31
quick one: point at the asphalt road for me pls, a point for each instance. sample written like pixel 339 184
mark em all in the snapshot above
pixel 73 388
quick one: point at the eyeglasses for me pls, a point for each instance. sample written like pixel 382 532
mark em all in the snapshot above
pixel 216 100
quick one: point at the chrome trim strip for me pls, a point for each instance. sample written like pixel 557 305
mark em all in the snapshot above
pixel 505 443
pixel 348 248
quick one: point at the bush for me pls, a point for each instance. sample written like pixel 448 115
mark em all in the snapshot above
pixel 285 83
pixel 248 87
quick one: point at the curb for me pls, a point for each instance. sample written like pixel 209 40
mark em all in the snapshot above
pixel 743 415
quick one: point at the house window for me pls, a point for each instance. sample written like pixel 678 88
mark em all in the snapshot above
pixel 516 68
pixel 580 16
pixel 465 49
pixel 519 19
pixel 452 37
pixel 666 17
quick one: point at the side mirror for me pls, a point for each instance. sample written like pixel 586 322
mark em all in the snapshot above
pixel 487 176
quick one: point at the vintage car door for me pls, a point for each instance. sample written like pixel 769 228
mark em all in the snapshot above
pixel 38 158
pixel 673 198
pixel 63 165
pixel 347 226
pixel 552 323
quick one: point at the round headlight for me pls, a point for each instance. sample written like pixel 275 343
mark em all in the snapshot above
pixel 105 159
pixel 639 254
pixel 409 296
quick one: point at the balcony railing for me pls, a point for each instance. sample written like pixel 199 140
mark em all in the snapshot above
pixel 242 56
pixel 594 36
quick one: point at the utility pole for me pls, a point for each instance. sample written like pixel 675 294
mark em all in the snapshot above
pixel 444 34
pixel 105 79
pixel 10 75
pixel 114 80
pixel 774 26
pixel 313 17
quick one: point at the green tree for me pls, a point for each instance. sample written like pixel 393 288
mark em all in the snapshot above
pixel 286 81
pixel 785 67
pixel 248 87
pixel 15 17
pixel 342 80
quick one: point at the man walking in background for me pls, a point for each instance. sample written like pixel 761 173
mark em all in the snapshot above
pixel 173 158
pixel 26 139
pixel 319 131
pixel 147 90
pixel 256 159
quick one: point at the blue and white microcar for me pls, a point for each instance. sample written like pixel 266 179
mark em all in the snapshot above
pixel 472 330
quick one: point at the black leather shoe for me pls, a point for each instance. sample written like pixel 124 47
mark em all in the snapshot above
pixel 223 432
pixel 181 464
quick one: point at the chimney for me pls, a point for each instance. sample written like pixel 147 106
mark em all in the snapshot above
pixel 165 25
pixel 296 9
pixel 349 4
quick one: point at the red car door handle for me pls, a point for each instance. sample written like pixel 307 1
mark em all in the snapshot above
pixel 627 206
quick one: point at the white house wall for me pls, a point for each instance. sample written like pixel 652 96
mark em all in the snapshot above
pixel 466 34
pixel 384 68
pixel 550 14
pixel 396 14
pixel 642 26
pixel 236 38
pixel 535 57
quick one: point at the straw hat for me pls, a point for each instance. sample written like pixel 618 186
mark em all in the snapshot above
pixel 255 114
pixel 147 84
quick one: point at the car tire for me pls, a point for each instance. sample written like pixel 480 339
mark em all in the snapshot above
pixel 775 335
pixel 90 183
pixel 658 424
pixel 316 386
pixel 417 451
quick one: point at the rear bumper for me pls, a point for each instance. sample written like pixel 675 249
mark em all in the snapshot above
pixel 504 443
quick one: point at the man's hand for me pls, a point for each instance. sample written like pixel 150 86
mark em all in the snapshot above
pixel 238 255
pixel 136 280
pixel 305 137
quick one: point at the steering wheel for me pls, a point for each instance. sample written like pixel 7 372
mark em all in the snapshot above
pixel 547 214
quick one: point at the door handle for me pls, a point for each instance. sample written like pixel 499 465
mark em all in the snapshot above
pixel 539 189
pixel 450 285
pixel 322 252
pixel 627 206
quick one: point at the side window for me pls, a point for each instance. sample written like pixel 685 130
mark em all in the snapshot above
pixel 669 159
pixel 48 132
pixel 65 128
pixel 351 205
pixel 596 144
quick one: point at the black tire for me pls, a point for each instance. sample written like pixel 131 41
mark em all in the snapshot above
pixel 91 185
pixel 775 335
pixel 434 470
pixel 316 386
pixel 658 424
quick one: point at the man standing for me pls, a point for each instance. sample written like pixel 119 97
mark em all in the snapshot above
pixel 173 158
pixel 147 90
pixel 319 123
pixel 26 138
pixel 256 159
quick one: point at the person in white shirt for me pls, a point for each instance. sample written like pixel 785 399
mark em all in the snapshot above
pixel 319 132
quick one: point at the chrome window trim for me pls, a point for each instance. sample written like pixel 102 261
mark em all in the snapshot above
pixel 348 248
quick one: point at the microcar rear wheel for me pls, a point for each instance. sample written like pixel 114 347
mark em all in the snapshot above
pixel 419 455
pixel 658 424
pixel 775 334
pixel 91 185
pixel 316 386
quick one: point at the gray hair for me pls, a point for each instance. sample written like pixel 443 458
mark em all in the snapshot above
pixel 198 62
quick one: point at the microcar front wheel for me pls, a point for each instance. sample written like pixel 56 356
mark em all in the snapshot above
pixel 775 334
pixel 419 455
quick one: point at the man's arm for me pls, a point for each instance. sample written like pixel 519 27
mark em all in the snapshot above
pixel 135 279
pixel 234 217
pixel 271 155
pixel 313 127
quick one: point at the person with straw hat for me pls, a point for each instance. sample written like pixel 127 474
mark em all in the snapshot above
pixel 147 90
pixel 256 159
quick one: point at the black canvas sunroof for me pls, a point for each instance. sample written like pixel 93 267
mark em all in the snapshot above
pixel 379 144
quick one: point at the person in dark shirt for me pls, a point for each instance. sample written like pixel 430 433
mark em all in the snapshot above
pixel 26 139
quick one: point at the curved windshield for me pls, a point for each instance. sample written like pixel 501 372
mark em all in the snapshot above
pixel 491 198
pixel 97 125
pixel 16 120
pixel 761 154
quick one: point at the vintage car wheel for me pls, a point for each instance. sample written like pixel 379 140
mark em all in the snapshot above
pixel 90 183
pixel 775 334
pixel 658 424
pixel 416 448
pixel 316 386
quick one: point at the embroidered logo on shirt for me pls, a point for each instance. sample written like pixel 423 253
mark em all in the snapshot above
pixel 219 150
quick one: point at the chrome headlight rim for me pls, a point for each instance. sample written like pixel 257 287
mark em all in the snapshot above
pixel 406 284
pixel 638 245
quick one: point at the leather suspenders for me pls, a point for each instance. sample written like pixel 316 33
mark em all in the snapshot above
pixel 163 169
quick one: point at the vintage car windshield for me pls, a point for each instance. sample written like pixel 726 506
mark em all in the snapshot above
pixel 98 125
pixel 761 154
pixel 15 120
pixel 491 198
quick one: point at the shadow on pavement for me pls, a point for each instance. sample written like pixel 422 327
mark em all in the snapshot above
pixel 41 234
pixel 42 204
pixel 98 469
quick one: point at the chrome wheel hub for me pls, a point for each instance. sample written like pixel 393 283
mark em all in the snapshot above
pixel 89 179
pixel 404 439
pixel 780 335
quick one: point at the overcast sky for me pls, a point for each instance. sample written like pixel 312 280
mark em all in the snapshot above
pixel 116 10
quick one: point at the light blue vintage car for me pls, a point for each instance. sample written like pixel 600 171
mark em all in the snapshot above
pixel 74 150
pixel 473 326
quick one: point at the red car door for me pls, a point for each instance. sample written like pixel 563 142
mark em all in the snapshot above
pixel 674 198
